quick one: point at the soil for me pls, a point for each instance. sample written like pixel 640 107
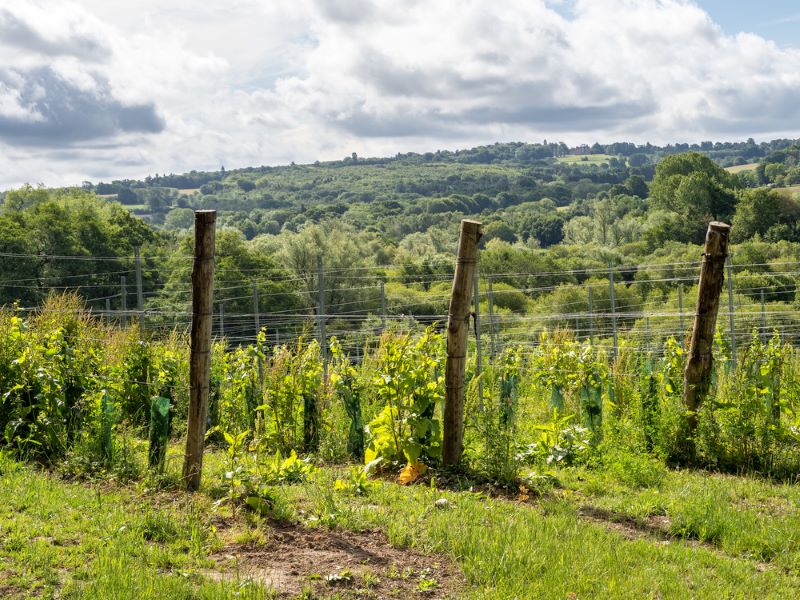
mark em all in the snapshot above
pixel 294 560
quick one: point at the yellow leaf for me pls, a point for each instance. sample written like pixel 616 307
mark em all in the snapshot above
pixel 411 472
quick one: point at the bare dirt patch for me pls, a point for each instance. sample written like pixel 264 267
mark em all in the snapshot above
pixel 353 565
pixel 11 591
pixel 8 590
pixel 656 526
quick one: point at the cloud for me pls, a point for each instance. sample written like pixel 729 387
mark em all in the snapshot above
pixel 59 33
pixel 346 11
pixel 45 109
pixel 470 70
pixel 69 78
pixel 165 87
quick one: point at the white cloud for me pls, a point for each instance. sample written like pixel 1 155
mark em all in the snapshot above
pixel 176 85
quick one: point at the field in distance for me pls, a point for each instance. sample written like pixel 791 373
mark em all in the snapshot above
pixel 592 159
pixel 741 168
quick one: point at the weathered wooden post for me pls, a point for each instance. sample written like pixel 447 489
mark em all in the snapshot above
pixel 200 343
pixel 490 298
pixel 700 360
pixel 383 307
pixel 123 295
pixel 256 309
pixel 457 330
pixel 681 327
pixel 139 290
pixel 731 318
pixel 322 336
pixel 591 318
pixel 613 309
pixel 478 348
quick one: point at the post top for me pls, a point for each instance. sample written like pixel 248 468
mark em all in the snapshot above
pixel 470 222
pixel 205 216
pixel 719 226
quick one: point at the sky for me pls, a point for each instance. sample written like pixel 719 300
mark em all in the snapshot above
pixel 97 90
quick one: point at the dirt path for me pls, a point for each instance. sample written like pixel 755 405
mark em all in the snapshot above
pixel 354 565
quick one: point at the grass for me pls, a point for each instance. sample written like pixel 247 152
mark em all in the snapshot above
pixel 585 159
pixel 600 534
pixel 71 540
pixel 741 168
pixel 791 191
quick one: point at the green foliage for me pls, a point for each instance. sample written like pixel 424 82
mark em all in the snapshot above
pixel 409 384
pixel 633 469
pixel 495 451
pixel 349 387
pixel 66 223
pixel 357 483
pixel 47 380
pixel 694 187
pixel 558 443
pixel 288 418
pixel 159 432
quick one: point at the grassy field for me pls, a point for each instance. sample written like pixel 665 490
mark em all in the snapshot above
pixel 741 168
pixel 633 532
pixel 792 191
pixel 585 159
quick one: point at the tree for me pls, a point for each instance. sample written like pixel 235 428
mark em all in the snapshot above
pixel 500 230
pixel 694 187
pixel 237 264
pixel 756 212
pixel 246 185
pixel 580 230
pixel 637 160
pixel 547 228
pixel 637 186
pixel 347 256
pixel 40 225
pixel 179 218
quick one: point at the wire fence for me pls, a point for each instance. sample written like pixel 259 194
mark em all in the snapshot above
pixel 646 303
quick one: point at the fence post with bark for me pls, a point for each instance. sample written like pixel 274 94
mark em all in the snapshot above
pixel 700 359
pixel 200 344
pixel 457 332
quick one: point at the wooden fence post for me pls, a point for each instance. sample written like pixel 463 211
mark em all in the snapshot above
pixel 478 348
pixel 457 331
pixel 139 291
pixel 490 298
pixel 700 360
pixel 200 340
pixel 613 309
pixel 123 300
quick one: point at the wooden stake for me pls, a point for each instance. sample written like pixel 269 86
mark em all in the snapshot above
pixel 139 291
pixel 613 309
pixel 457 330
pixel 256 310
pixel 700 360
pixel 200 340
pixel 322 336
pixel 383 307
pixel 123 294
pixel 731 318
pixel 478 349
pixel 680 315
pixel 490 298
pixel 591 318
